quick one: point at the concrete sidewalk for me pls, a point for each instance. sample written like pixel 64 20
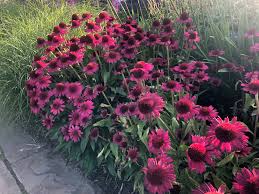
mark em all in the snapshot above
pixel 29 167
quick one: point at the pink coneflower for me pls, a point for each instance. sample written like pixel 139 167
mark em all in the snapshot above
pixel 228 135
pixel 73 90
pixel 35 106
pixel 152 39
pixel 107 41
pixel 133 154
pixel 43 97
pixel 144 65
pixel 150 105
pixel 88 40
pixel 43 82
pixel 129 53
pixel 35 74
pixel 60 89
pixel 99 88
pixel 112 57
pixel 206 113
pixel 247 182
pixel 122 110
pixel 157 74
pixel 198 65
pixel 75 57
pixel 133 109
pixel 199 153
pixel 252 87
pixel 48 121
pixel 41 42
pixel 92 26
pixel 216 53
pixel 192 36
pixel 104 16
pixel 53 65
pixel 40 64
pixel 94 133
pixel 159 142
pixel 90 93
pixel 182 68
pixel 207 188
pixel 184 18
pixel 57 106
pixel 57 30
pixel 159 62
pixel 159 174
pixel 75 23
pixel 172 86
pixel 75 133
pixel 75 118
pixel 64 130
pixel 165 40
pixel 91 68
pixel 200 76
pixel 156 23
pixel 86 108
pixel 86 16
pixel 167 22
pixel 119 69
pixel 118 137
pixel 185 107
pixel 138 74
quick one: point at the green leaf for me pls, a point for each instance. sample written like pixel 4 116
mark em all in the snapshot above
pixel 217 181
pixel 226 160
pixel 114 149
pixel 85 140
pixel 103 123
pixel 101 152
pixel 111 168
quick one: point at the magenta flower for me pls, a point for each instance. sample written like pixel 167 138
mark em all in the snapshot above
pixel 247 181
pixel 172 86
pixel 133 154
pixel 228 135
pixel 199 153
pixel 206 113
pixel 65 132
pixel 57 106
pixel 150 105
pixel 159 174
pixel 252 87
pixel 73 90
pixel 122 110
pixel 91 68
pixel 159 142
pixel 207 188
pixel 48 121
pixel 75 133
pixel 186 108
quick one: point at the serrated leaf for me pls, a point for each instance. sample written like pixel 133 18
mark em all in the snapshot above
pixel 226 160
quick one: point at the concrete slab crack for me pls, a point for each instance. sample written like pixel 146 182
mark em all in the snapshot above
pixel 9 168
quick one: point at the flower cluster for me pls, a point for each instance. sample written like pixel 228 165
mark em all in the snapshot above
pixel 120 94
